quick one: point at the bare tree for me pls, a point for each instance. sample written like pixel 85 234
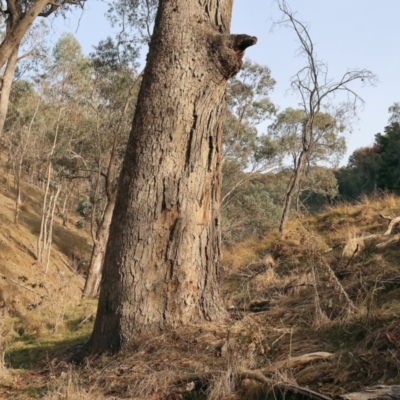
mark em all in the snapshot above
pixel 317 93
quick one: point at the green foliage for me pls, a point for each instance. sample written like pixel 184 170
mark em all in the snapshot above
pixel 326 144
pixel 360 177
pixel 135 18
pixel 388 153
pixel 251 211
pixel 373 168
pixel 248 106
pixel 247 208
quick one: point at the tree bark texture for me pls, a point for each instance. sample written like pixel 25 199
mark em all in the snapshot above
pixel 163 254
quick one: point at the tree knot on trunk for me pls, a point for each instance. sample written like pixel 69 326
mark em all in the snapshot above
pixel 227 52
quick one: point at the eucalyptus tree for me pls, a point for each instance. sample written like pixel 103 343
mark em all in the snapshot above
pixel 20 134
pixel 317 93
pixel 162 260
pixel 248 106
pixel 135 20
pixel 64 90
pixel 325 146
pixel 247 153
pixel 19 15
pixel 26 57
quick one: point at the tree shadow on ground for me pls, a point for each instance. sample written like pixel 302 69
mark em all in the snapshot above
pixel 35 353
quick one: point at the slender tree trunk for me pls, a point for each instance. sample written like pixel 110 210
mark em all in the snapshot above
pixel 41 241
pixel 6 85
pixel 292 189
pixel 162 261
pixel 50 222
pixel 43 238
pixel 65 207
pixel 99 247
pixel 18 196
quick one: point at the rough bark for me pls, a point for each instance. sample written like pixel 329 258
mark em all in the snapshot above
pixel 162 261
pixel 100 237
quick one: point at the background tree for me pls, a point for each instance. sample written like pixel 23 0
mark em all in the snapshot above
pixel 325 147
pixel 243 147
pixel 246 154
pixel 317 93
pixel 116 85
pixel 163 254
pixel 27 56
pixel 19 138
pixel 20 15
pixel 360 176
pixel 389 158
pixel 135 20
pixel 394 109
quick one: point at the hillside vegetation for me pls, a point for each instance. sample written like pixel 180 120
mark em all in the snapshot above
pixel 320 287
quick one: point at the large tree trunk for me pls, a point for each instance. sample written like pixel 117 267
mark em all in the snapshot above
pixel 93 279
pixel 163 255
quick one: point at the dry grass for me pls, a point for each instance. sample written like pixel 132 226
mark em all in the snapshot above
pixel 305 312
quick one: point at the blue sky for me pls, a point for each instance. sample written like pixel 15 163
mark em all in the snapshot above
pixel 347 34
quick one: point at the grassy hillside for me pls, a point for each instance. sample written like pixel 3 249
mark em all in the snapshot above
pixel 41 312
pixel 331 284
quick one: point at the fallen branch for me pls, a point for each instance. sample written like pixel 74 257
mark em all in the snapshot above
pixel 393 239
pixel 337 285
pixel 23 286
pixel 286 388
pixel 392 224
pixel 380 392
pixel 294 362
